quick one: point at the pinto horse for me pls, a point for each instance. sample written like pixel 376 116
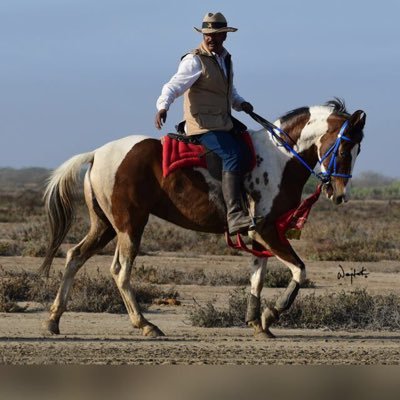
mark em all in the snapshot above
pixel 124 184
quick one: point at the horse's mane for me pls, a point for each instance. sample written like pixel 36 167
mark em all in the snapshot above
pixel 336 103
pixel 294 113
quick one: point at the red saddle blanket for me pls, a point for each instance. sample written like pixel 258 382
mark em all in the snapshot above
pixel 178 154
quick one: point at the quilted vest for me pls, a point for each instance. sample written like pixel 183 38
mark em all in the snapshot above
pixel 207 104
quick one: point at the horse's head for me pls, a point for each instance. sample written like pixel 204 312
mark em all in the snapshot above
pixel 338 150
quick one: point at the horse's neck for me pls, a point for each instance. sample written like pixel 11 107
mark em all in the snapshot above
pixel 277 172
pixel 273 158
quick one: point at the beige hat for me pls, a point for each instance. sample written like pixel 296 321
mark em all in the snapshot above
pixel 213 23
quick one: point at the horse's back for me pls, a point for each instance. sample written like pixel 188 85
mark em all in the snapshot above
pixel 118 159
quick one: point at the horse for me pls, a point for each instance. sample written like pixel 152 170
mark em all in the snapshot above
pixel 124 184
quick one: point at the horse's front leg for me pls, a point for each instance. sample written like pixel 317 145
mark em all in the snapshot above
pixel 258 268
pixel 268 237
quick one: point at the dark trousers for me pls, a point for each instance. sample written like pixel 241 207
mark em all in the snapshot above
pixel 232 150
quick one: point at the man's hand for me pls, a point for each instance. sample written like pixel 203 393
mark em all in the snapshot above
pixel 161 117
pixel 247 107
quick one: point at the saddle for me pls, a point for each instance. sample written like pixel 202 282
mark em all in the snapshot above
pixel 182 151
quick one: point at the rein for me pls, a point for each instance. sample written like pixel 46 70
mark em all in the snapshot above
pixel 324 176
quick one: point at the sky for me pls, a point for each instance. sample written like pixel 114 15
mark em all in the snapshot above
pixel 76 74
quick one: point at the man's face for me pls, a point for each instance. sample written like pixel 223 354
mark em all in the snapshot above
pixel 214 41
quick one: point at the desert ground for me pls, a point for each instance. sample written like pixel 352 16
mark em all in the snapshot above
pixel 103 338
pixel 362 235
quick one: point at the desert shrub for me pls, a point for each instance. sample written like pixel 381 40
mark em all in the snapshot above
pixel 29 200
pixel 208 316
pixel 161 235
pixel 95 294
pixel 20 206
pixel 10 215
pixel 99 293
pixel 34 249
pixel 90 293
pixel 27 286
pixel 28 239
pixel 9 306
pixel 9 248
pixel 80 225
pixel 15 286
pixel 354 310
pixel 275 277
pixel 281 277
pixel 196 276
pixel 32 231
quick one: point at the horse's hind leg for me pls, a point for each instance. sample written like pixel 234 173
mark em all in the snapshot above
pixel 99 235
pixel 121 268
pixel 253 314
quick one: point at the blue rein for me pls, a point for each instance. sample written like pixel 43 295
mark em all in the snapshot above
pixel 324 176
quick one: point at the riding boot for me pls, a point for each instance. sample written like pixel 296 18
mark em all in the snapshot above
pixel 232 190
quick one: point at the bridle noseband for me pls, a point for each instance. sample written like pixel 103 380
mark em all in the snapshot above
pixel 333 150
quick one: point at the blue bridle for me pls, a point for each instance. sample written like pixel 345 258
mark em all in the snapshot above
pixel 324 176
pixel 331 170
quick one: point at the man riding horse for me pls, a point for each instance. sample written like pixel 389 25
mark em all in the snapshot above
pixel 205 77
pixel 124 183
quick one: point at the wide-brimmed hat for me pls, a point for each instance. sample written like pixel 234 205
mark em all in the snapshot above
pixel 214 23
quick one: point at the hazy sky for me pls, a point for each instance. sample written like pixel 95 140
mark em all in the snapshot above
pixel 75 74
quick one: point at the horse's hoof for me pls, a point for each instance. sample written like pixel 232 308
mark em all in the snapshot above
pixel 268 317
pixel 152 331
pixel 264 335
pixel 51 327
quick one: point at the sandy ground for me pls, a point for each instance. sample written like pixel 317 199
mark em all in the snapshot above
pixel 88 338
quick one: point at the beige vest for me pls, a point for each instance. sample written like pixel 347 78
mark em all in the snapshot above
pixel 207 104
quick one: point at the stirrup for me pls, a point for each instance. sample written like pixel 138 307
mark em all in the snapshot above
pixel 242 231
pixel 254 221
pixel 252 226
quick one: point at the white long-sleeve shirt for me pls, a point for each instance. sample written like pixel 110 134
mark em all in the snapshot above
pixel 189 71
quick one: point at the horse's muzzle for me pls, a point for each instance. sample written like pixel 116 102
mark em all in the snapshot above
pixel 336 196
pixel 328 190
pixel 339 199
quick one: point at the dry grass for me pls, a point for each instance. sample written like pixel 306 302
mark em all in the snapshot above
pixel 208 316
pixel 356 231
pixel 90 293
pixel 275 277
pixel 353 310
pixel 97 293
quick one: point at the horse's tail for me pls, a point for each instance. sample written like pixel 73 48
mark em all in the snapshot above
pixel 59 199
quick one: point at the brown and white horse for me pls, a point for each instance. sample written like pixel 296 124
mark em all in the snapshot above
pixel 124 184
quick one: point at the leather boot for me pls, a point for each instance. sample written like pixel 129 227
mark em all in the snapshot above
pixel 232 190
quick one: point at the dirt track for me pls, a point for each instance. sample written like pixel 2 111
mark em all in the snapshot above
pixel 89 338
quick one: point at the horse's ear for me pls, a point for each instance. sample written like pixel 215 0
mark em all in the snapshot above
pixel 358 119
